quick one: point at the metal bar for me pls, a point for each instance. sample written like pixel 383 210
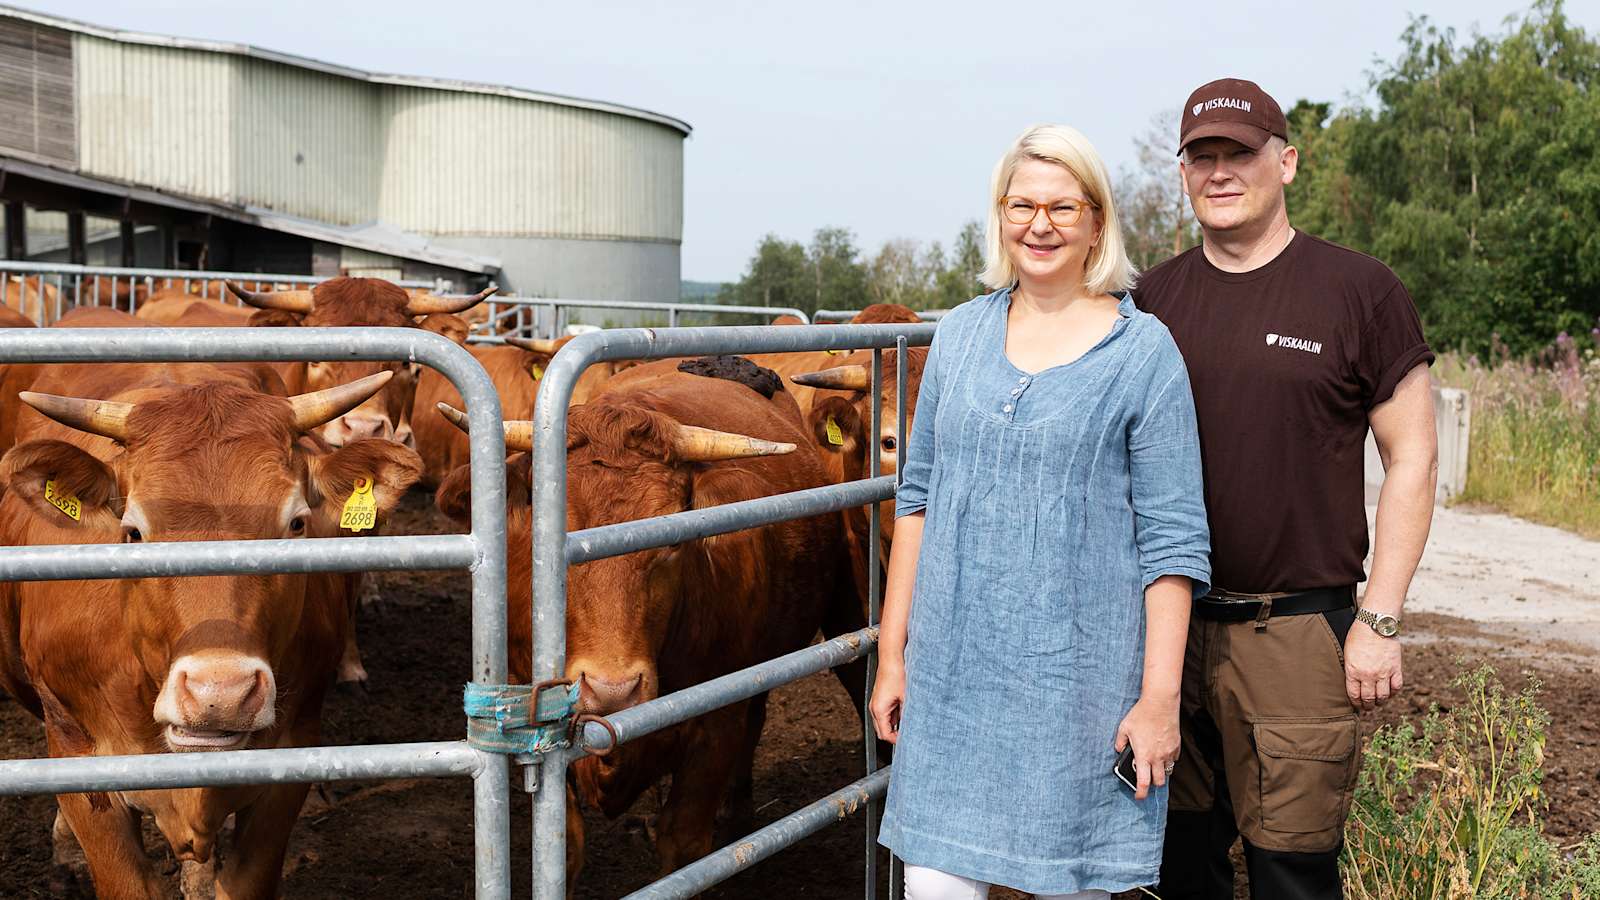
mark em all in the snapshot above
pixel 177 559
pixel 659 306
pixel 160 771
pixel 869 737
pixel 681 706
pixel 845 315
pixel 900 437
pixel 786 832
pixel 661 531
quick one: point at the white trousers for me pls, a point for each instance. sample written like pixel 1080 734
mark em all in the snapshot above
pixel 931 884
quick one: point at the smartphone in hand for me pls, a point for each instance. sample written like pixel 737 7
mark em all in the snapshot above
pixel 1124 768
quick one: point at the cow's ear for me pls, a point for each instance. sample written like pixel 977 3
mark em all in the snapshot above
pixel 62 484
pixel 276 318
pixel 835 425
pixel 454 497
pixel 535 364
pixel 447 325
pixel 392 469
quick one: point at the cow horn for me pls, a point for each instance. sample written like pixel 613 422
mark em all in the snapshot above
pixel 288 301
pixel 519 434
pixel 319 407
pixel 547 346
pixel 839 378
pixel 694 444
pixel 427 304
pixel 107 418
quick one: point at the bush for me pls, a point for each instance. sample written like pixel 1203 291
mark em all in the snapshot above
pixel 1453 810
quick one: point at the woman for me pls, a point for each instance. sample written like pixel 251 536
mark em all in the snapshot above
pixel 1050 537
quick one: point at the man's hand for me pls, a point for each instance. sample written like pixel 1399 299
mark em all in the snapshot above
pixel 1371 667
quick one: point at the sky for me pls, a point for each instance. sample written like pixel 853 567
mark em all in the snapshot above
pixel 884 118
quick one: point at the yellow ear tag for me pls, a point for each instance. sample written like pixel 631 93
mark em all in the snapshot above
pixel 62 501
pixel 361 510
pixel 538 372
pixel 835 436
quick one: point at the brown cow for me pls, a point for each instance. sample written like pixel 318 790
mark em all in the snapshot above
pixel 515 372
pixel 357 302
pixel 18 377
pixel 186 310
pixel 788 364
pixel 657 621
pixel 839 424
pixel 10 318
pixel 180 664
pixel 34 297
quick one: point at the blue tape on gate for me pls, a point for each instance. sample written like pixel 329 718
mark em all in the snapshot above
pixel 506 718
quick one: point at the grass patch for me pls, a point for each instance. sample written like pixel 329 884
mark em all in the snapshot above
pixel 1535 443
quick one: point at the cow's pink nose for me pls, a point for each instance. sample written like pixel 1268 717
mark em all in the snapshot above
pixel 601 696
pixel 357 427
pixel 227 695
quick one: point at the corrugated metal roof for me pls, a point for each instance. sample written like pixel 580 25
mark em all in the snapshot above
pixel 289 59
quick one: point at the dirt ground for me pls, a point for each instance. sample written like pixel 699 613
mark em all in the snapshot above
pixel 414 838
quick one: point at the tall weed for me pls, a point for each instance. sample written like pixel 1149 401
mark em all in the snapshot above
pixel 1452 811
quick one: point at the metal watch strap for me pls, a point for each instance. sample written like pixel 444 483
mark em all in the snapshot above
pixel 1383 624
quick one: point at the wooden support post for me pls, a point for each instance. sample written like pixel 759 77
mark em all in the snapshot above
pixel 129 258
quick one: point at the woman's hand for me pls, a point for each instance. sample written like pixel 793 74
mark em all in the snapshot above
pixel 1152 727
pixel 888 697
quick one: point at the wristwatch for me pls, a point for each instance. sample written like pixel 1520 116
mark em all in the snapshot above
pixel 1383 623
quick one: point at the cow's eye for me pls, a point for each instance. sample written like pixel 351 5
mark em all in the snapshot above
pixel 131 535
pixel 297 526
pixel 889 444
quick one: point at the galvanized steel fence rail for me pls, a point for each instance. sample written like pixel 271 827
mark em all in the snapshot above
pixel 554 549
pixel 521 315
pixel 845 315
pixel 75 285
pixel 482 552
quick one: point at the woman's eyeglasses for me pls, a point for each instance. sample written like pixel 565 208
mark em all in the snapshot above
pixel 1061 213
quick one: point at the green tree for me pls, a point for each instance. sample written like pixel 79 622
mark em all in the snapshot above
pixel 779 275
pixel 841 279
pixel 1476 177
pixel 957 280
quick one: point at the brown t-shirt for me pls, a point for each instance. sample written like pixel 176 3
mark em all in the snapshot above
pixel 1285 362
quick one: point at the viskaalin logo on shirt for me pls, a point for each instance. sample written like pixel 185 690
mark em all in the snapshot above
pixel 1294 343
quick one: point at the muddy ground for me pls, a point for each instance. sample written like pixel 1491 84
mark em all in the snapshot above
pixel 414 839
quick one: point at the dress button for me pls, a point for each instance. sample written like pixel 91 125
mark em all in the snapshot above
pixel 1022 380
pixel 1016 392
pixel 1006 408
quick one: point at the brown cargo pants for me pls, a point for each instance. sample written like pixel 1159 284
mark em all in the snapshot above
pixel 1270 753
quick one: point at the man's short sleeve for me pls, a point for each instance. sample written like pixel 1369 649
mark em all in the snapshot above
pixel 1391 345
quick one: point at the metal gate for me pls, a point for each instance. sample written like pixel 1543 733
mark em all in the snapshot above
pixel 87 285
pixel 554 549
pixel 483 553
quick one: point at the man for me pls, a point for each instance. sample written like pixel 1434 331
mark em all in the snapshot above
pixel 1295 347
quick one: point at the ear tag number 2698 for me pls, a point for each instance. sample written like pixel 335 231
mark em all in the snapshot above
pixel 361 510
pixel 67 503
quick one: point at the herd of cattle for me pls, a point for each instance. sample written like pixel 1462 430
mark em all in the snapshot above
pixel 228 451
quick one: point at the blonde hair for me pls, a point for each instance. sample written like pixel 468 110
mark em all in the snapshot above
pixel 1107 267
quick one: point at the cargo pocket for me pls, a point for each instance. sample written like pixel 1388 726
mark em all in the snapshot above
pixel 1306 764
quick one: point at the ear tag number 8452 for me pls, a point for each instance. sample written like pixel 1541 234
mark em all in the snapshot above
pixel 361 510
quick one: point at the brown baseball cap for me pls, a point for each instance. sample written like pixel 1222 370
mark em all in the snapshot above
pixel 1231 108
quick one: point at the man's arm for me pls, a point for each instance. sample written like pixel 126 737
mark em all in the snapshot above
pixel 1404 431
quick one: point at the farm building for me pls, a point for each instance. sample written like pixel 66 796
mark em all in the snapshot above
pixel 128 149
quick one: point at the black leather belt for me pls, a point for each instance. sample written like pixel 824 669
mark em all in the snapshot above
pixel 1223 606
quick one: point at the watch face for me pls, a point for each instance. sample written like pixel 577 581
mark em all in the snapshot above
pixel 1388 626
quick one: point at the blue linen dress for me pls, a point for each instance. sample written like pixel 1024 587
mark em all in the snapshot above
pixel 1052 500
